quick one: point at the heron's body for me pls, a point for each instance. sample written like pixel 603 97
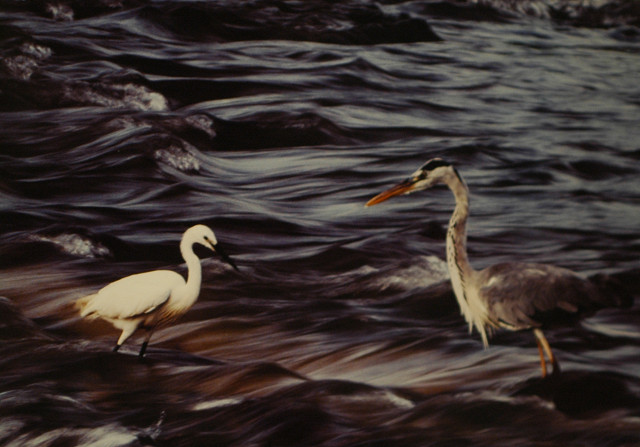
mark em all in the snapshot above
pixel 511 295
pixel 152 299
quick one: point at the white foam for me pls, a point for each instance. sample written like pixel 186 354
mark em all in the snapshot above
pixel 398 401
pixel 202 122
pixel 178 158
pixel 118 96
pixel 107 436
pixel 21 67
pixel 423 272
pixel 60 11
pixel 216 403
pixel 74 244
pixel 542 8
pixel 378 397
pixel 9 427
pixel 140 97
pixel 36 51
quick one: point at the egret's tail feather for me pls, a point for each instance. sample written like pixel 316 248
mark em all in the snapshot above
pixel 84 305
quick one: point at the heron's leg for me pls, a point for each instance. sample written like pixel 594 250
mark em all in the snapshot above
pixel 543 363
pixel 115 348
pixel 542 342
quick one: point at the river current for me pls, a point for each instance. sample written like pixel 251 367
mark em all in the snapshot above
pixel 124 122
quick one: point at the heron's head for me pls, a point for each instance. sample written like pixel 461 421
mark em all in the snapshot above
pixel 431 173
pixel 203 235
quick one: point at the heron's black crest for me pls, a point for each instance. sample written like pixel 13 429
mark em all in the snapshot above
pixel 433 164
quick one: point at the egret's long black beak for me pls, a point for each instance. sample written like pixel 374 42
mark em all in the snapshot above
pixel 401 188
pixel 225 257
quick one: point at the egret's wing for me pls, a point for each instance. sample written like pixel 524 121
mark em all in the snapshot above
pixel 523 295
pixel 136 294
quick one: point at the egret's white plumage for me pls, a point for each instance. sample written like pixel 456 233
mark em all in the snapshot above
pixel 511 295
pixel 152 299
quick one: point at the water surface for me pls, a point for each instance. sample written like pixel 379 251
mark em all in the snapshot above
pixel 124 123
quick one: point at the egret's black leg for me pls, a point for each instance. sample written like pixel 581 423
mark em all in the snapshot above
pixel 115 348
pixel 143 349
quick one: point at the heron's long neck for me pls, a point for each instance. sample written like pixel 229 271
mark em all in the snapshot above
pixel 462 274
pixel 457 234
pixel 194 276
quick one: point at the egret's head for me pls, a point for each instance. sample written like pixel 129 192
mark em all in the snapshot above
pixel 201 234
pixel 431 173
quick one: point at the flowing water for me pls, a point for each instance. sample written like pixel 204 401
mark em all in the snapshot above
pixel 124 122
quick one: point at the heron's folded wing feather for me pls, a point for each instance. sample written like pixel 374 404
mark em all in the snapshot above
pixel 522 294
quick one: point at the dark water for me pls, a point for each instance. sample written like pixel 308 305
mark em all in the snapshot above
pixel 122 123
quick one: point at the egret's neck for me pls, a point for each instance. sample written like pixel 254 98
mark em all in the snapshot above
pixel 194 276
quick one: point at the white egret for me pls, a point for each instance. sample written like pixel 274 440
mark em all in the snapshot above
pixel 152 299
pixel 511 295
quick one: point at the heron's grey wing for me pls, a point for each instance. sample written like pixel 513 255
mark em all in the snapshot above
pixel 520 295
pixel 136 294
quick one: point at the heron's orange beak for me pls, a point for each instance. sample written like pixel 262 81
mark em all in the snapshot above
pixel 399 189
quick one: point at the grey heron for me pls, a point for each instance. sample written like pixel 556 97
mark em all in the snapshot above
pixel 511 295
pixel 152 299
